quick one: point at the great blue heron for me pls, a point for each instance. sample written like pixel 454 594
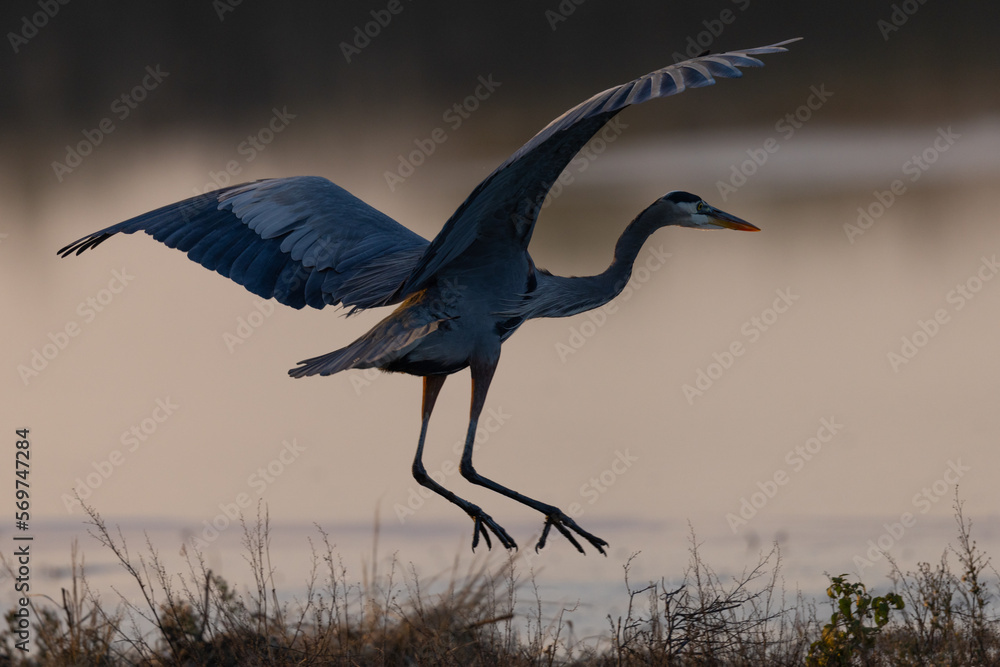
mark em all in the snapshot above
pixel 305 241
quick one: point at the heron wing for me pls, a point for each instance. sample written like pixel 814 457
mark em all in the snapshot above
pixel 507 202
pixel 301 240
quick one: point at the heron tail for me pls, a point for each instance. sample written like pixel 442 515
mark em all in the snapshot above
pixel 376 349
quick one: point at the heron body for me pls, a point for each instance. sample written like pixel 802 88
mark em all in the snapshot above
pixel 442 327
pixel 305 241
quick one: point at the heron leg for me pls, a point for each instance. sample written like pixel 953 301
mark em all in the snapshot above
pixel 482 375
pixel 483 522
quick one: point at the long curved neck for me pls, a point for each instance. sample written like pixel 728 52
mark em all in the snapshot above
pixel 616 276
pixel 559 296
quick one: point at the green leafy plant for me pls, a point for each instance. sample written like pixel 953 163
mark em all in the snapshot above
pixel 857 619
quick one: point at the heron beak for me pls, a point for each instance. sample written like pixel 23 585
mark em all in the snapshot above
pixel 723 219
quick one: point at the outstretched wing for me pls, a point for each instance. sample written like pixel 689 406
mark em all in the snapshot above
pixel 506 204
pixel 302 240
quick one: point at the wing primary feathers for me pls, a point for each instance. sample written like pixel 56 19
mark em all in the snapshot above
pixel 299 240
pixel 514 192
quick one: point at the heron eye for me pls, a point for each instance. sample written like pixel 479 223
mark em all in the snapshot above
pixel 701 206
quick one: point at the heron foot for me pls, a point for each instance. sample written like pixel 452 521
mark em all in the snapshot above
pixel 564 525
pixel 484 523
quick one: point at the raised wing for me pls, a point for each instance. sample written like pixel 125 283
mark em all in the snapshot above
pixel 302 240
pixel 506 204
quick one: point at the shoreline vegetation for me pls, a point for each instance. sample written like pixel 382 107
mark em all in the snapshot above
pixel 943 613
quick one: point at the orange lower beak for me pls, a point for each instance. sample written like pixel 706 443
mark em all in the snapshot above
pixel 723 219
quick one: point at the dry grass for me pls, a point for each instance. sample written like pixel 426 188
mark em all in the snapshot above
pixel 197 618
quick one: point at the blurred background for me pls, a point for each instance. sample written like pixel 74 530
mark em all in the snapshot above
pixel 824 384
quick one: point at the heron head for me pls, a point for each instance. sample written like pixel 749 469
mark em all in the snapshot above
pixel 687 210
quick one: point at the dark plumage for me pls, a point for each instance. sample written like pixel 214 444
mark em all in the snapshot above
pixel 305 241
